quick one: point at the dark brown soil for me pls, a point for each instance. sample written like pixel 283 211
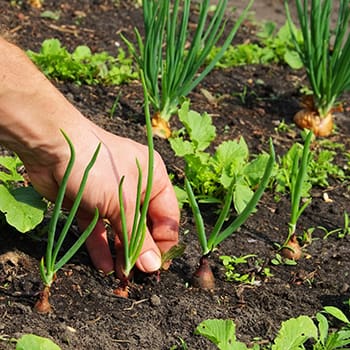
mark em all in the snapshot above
pixel 87 315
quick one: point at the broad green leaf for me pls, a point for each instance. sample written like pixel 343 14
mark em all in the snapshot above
pixel 241 196
pixel 23 207
pixel 293 59
pixel 294 333
pixel 337 313
pixel 11 174
pixel 181 147
pixel 34 342
pixel 232 154
pixel 81 52
pixel 322 327
pixel 51 47
pixel 254 170
pixel 221 333
pixel 199 127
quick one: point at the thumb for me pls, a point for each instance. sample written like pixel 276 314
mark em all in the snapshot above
pixel 148 261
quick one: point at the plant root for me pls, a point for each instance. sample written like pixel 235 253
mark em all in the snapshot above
pixel 292 249
pixel 203 276
pixel 43 305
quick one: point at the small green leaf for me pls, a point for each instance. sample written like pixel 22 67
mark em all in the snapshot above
pixel 293 59
pixel 337 313
pixel 199 127
pixel 294 333
pixel 241 197
pixel 23 207
pixel 34 342
pixel 221 333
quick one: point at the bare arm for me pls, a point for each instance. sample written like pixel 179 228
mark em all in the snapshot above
pixel 32 112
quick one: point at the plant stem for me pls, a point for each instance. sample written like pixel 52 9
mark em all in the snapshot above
pixel 299 174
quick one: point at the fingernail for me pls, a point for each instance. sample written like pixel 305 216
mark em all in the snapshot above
pixel 150 261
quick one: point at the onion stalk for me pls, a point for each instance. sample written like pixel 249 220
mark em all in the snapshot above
pixel 291 248
pixel 170 67
pixel 218 235
pixel 325 52
pixel 50 264
pixel 132 243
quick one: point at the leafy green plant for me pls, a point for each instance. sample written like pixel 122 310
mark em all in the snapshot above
pixel 234 274
pixel 50 264
pixel 296 331
pixel 341 232
pixel 133 244
pixel 163 53
pixel 222 333
pixel 31 342
pixel 280 260
pixel 82 66
pixel 203 277
pixel 272 47
pixel 325 52
pixel 293 334
pixel 20 206
pixel 320 169
pixel 212 175
pixel 291 248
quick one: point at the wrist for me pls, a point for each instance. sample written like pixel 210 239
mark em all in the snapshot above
pixel 32 110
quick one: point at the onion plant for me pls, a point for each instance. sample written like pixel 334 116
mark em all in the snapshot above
pixel 203 277
pixel 171 58
pixel 133 241
pixel 291 248
pixel 325 52
pixel 51 263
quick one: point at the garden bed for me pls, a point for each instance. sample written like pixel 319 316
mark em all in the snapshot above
pixel 87 315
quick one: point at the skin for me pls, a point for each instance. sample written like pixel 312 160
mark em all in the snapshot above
pixel 32 113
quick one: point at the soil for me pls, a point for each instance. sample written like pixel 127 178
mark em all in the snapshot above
pixel 158 314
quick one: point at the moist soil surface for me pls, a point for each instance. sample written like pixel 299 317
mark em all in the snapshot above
pixel 159 313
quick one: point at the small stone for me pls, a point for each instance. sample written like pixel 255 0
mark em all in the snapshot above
pixel 155 300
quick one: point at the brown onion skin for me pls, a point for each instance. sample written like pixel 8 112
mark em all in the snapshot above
pixel 160 127
pixel 292 249
pixel 43 305
pixel 203 276
pixel 309 119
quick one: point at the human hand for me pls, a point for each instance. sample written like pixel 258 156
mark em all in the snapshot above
pixel 32 113
pixel 117 158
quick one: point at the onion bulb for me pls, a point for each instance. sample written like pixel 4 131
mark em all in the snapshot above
pixel 292 249
pixel 203 276
pixel 309 119
pixel 43 305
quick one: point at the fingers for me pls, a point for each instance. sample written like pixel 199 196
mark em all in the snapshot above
pixel 97 245
pixel 162 234
pixel 148 261
pixel 164 217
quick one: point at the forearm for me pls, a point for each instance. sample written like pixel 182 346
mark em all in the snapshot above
pixel 32 110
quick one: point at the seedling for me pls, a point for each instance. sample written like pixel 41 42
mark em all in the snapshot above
pixel 325 52
pixel 20 206
pixel 133 244
pixel 203 277
pixel 291 248
pixel 280 260
pixel 212 174
pixel 163 53
pixel 82 66
pixel 340 231
pixel 235 273
pixel 294 333
pixel 51 264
